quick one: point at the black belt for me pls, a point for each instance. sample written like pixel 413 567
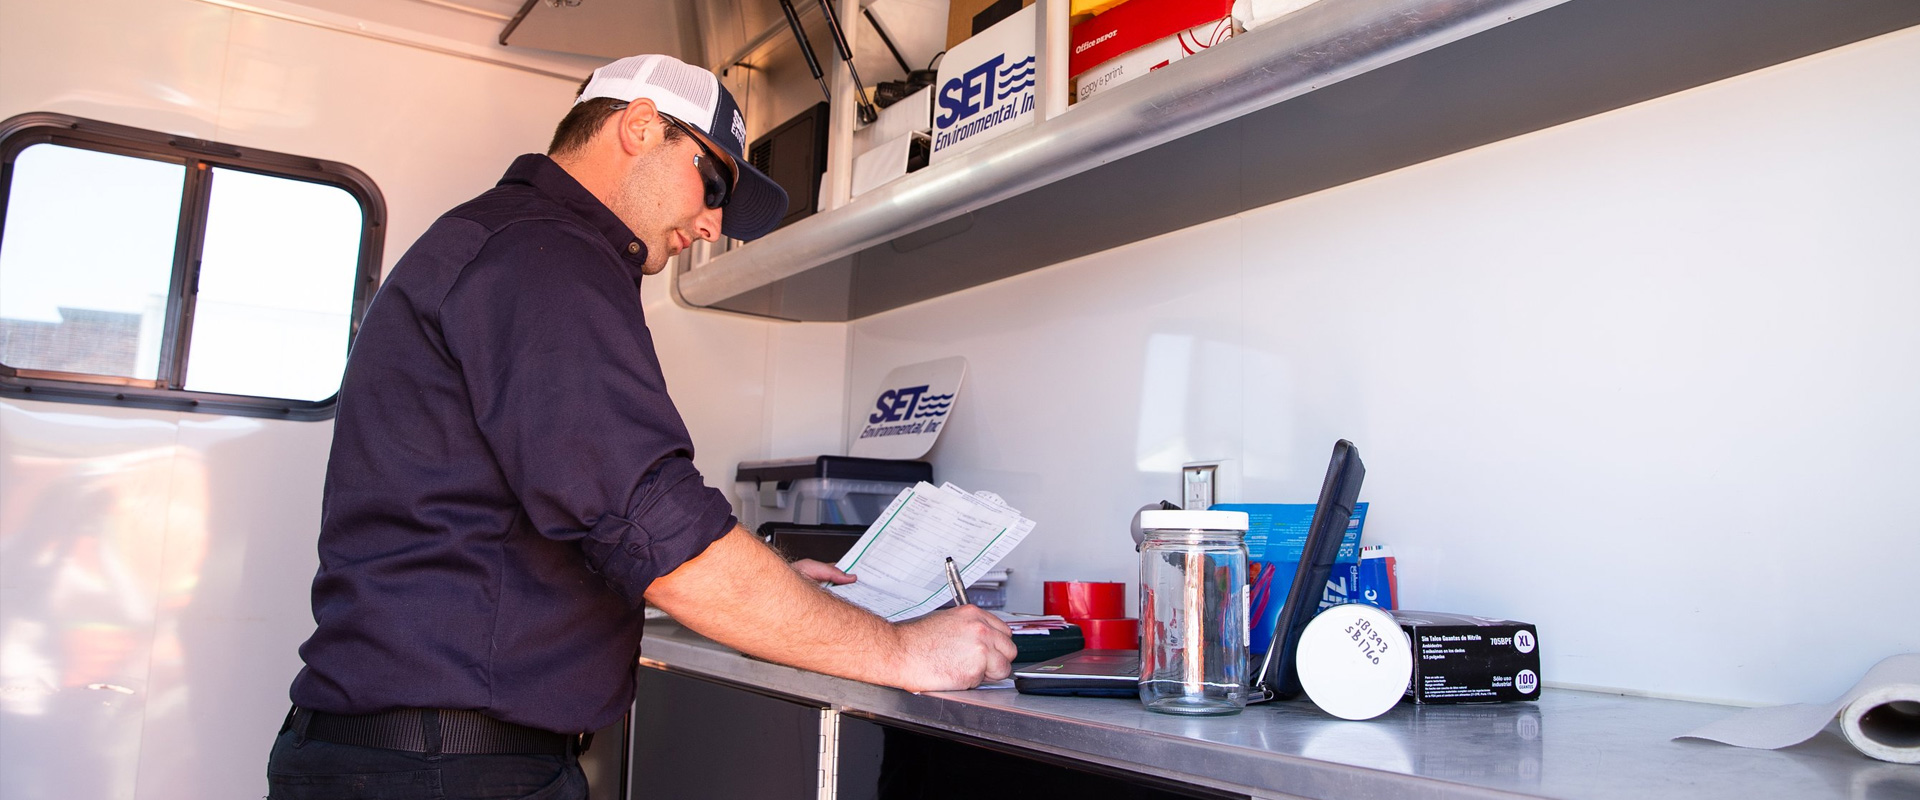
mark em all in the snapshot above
pixel 431 730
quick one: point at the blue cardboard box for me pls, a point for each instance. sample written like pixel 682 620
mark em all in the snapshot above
pixel 1276 534
pixel 1374 578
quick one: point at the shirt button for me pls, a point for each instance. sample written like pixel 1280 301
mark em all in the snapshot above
pixel 633 248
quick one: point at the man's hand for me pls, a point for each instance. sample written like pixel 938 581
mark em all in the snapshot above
pixel 957 648
pixel 821 573
pixel 739 593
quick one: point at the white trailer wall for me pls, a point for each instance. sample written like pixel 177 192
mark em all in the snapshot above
pixel 169 555
pixel 1647 380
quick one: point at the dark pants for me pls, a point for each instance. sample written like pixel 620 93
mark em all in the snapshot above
pixel 306 769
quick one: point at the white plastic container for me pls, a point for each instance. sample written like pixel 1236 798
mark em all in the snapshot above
pixel 823 490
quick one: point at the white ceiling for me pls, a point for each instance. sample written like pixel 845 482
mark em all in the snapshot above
pixel 473 21
pixel 918 28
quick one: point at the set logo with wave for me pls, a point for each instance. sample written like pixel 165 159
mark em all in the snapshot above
pixel 1015 76
pixel 909 403
pixel 991 93
pixel 907 411
pixel 933 405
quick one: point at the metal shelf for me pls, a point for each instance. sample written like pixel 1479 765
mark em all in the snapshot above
pixel 1569 743
pixel 1339 91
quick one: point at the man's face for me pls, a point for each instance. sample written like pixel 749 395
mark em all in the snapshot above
pixel 663 200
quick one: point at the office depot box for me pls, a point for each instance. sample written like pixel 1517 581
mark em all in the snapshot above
pixel 1139 36
pixel 1146 59
pixel 1254 13
pixel 1464 659
pixel 1088 8
pixel 823 490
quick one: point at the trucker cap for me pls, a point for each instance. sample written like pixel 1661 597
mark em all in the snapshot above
pixel 694 96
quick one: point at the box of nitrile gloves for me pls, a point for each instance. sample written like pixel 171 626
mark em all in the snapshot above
pixel 1463 659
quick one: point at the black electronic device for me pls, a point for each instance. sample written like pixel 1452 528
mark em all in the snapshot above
pixel 886 93
pixel 919 153
pixel 993 14
pixel 824 543
pixel 852 468
pixel 1338 492
pixel 794 155
pixel 1084 673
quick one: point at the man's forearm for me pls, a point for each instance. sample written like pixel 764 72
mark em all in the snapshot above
pixel 739 593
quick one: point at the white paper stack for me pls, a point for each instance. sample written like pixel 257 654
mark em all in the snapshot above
pixel 1033 624
pixel 901 560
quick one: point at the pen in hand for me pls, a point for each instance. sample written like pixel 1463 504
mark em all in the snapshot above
pixel 953 580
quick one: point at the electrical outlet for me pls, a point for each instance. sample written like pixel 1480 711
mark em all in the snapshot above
pixel 1197 486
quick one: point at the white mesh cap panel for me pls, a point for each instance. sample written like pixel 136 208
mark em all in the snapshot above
pixel 692 84
pixel 623 70
pixel 686 92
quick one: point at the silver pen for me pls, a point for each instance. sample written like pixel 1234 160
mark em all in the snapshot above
pixel 953 580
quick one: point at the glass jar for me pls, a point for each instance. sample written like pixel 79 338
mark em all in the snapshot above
pixel 1193 604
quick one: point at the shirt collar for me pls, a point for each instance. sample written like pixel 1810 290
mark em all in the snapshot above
pixel 540 172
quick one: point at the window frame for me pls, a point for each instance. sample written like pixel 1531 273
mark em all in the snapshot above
pixel 200 157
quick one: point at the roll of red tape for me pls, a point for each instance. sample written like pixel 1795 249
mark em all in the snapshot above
pixel 1110 634
pixel 1085 599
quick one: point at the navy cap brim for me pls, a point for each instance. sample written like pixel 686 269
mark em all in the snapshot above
pixel 757 204
pixel 756 207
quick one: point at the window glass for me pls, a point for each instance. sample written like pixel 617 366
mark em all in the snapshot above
pixel 145 269
pixel 86 261
pixel 277 275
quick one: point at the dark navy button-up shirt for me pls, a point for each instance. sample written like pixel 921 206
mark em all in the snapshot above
pixel 508 474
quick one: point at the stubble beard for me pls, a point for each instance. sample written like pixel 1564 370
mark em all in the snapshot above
pixel 640 204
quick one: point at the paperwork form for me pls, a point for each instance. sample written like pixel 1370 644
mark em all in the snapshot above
pixel 901 560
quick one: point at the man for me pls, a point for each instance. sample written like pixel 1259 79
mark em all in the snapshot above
pixel 509 482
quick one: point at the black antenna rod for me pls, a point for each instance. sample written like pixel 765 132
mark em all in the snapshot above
pixel 806 47
pixel 886 40
pixel 868 113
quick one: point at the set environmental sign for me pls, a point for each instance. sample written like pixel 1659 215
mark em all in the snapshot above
pixel 986 86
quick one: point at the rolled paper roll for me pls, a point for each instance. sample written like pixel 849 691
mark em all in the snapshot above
pixel 1885 723
pixel 1084 599
pixel 1879 716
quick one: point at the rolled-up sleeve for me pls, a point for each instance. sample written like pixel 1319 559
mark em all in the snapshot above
pixel 552 343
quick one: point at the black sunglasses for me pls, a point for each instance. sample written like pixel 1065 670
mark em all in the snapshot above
pixel 715 177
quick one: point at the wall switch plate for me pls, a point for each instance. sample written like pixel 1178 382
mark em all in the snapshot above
pixel 1197 486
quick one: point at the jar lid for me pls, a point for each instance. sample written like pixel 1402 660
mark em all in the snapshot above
pixel 1194 520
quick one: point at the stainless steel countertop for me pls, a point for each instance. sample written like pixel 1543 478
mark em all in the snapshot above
pixel 1569 744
